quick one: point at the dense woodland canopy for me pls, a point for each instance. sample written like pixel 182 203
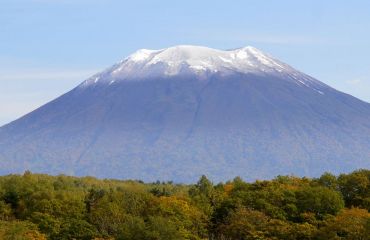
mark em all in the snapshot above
pixel 36 206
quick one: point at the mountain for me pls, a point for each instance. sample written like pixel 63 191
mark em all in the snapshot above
pixel 183 111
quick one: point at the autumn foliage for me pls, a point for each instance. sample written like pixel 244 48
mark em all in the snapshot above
pixel 36 206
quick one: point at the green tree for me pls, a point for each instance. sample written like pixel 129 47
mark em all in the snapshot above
pixel 319 200
pixel 328 180
pixel 159 228
pixel 355 188
pixel 133 228
pixel 244 224
pixel 202 194
pixel 76 229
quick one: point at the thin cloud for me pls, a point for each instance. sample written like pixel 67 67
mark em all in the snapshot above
pixel 68 1
pixel 355 81
pixel 26 89
pixel 12 110
pixel 359 87
pixel 46 74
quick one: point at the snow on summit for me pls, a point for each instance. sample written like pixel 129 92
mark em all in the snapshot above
pixel 200 61
pixel 194 59
pixel 175 59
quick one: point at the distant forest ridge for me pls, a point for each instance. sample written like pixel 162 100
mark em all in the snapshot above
pixel 39 206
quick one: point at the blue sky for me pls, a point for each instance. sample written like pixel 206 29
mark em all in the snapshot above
pixel 49 46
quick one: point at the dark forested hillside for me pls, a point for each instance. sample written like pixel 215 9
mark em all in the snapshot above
pixel 34 206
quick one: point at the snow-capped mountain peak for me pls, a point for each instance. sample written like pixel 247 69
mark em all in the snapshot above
pixel 194 60
pixel 201 59
pixel 183 111
pixel 201 62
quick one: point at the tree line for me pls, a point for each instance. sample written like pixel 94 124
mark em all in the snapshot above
pixel 38 206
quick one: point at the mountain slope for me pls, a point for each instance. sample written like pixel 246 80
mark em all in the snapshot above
pixel 177 113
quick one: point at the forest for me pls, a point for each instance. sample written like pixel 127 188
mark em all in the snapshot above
pixel 39 206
